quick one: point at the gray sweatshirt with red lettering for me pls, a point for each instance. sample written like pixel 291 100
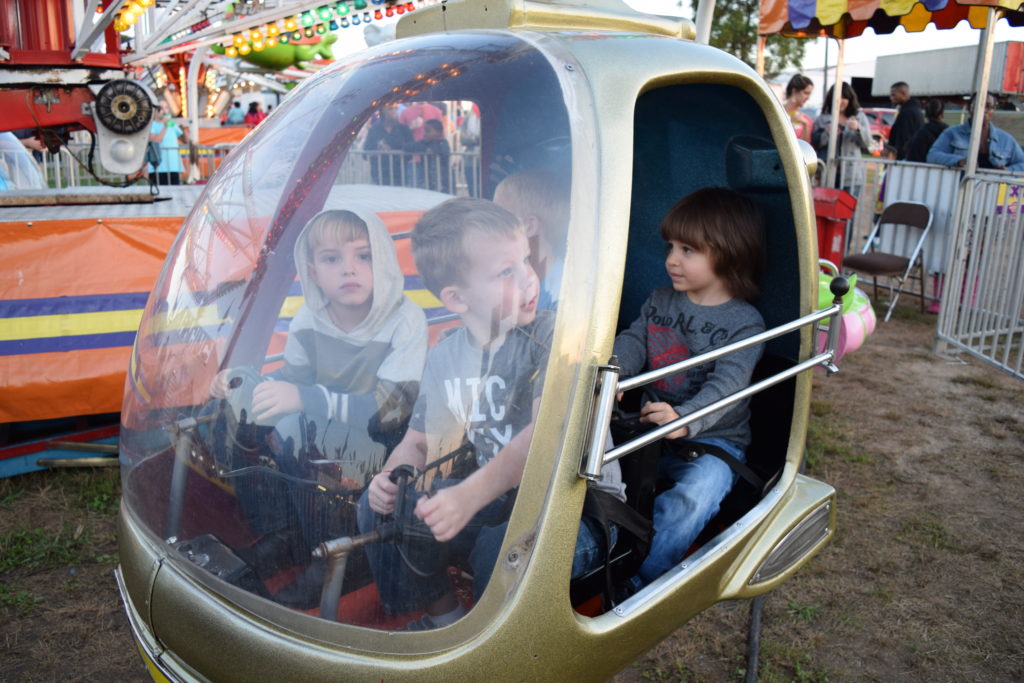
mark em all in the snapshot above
pixel 671 328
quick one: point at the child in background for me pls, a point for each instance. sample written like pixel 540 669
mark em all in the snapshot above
pixel 714 258
pixel 888 153
pixel 540 200
pixel 481 388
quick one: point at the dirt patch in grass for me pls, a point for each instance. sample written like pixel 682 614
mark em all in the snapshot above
pixel 60 615
pixel 923 581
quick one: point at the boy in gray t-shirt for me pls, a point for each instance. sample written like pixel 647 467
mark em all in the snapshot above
pixel 479 394
pixel 714 258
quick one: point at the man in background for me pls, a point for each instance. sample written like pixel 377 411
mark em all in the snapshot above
pixel 909 119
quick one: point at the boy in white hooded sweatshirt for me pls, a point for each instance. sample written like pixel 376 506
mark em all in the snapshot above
pixel 353 358
pixel 356 348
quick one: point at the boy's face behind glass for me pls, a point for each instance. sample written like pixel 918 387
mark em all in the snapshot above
pixel 499 289
pixel 344 273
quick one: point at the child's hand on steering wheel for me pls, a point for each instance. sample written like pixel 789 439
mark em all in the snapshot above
pixel 446 512
pixel 381 493
pixel 275 398
pixel 220 386
pixel 660 413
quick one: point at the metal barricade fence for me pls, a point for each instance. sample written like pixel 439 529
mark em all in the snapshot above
pixel 982 310
pixel 903 181
pixel 68 166
pixel 19 171
pixel 458 173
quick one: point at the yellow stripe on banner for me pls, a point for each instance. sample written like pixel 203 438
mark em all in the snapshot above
pixel 423 298
pixel 206 316
pixel 186 318
pixel 106 322
pixel 70 324
pixel 133 373
pixel 830 12
pixel 291 306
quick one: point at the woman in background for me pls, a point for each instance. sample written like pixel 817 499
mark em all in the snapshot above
pixel 854 136
pixel 918 146
pixel 798 91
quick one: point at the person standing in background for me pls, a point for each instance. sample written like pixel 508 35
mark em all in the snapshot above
pixel 255 115
pixel 415 115
pixel 998 149
pixel 854 135
pixel 236 117
pixel 925 137
pixel 170 169
pixel 798 91
pixel 909 120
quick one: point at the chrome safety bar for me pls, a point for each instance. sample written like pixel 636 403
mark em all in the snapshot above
pixel 608 386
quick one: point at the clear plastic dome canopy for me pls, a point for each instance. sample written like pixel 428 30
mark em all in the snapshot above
pixel 304 330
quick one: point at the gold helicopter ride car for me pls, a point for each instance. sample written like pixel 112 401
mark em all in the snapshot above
pixel 243 556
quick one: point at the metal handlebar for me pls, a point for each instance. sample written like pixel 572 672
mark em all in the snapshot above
pixel 608 385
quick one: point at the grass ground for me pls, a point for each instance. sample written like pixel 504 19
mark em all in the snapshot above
pixel 922 581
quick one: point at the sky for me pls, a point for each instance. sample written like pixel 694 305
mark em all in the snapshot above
pixel 867 46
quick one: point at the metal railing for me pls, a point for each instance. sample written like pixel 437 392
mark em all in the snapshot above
pixel 68 166
pixel 458 173
pixel 982 311
pixel 886 182
pixel 610 386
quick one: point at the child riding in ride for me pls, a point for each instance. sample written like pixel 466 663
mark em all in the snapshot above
pixel 480 391
pixel 352 361
pixel 714 259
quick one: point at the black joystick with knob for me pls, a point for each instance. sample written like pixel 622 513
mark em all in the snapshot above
pixel 839 287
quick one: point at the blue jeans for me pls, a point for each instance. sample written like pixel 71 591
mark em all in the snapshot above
pixel 589 553
pixel 681 512
pixel 403 590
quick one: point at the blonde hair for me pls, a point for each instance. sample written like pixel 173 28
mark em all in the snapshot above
pixel 439 238
pixel 541 194
pixel 335 226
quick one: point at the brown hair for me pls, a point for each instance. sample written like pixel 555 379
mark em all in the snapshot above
pixel 797 83
pixel 847 92
pixel 336 226
pixel 726 226
pixel 439 238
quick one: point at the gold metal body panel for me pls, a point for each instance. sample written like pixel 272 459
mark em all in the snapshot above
pixel 588 15
pixel 524 628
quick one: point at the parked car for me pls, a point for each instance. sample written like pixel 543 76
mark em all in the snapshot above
pixel 881 122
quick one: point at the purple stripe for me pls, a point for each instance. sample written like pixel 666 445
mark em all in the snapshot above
pixel 27 347
pixel 61 305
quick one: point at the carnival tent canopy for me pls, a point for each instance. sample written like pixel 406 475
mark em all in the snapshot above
pixel 849 18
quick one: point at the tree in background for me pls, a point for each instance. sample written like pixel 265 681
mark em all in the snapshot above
pixel 734 30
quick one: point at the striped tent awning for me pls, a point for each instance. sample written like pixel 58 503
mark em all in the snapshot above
pixel 849 18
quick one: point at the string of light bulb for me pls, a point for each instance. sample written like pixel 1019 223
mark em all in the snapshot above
pixel 310 23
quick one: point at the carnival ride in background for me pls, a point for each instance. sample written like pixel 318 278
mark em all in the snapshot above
pixel 98 68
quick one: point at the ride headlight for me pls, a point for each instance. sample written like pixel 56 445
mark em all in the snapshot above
pixel 794 545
